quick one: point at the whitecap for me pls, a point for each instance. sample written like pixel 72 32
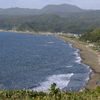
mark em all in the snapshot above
pixel 43 45
pixel 61 81
pixel 78 58
pixel 69 66
pixel 70 44
pixel 90 70
pixel 49 42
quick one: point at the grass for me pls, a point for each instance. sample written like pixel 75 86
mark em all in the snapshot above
pixel 94 48
pixel 54 94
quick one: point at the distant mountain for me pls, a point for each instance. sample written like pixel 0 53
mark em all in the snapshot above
pixel 47 9
pixel 18 11
pixel 61 8
pixel 52 18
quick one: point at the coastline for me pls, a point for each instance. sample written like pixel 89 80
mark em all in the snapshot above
pixel 90 58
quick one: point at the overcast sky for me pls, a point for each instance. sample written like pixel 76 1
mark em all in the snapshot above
pixel 38 4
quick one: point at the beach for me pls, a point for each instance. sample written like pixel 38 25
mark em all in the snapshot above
pixel 90 58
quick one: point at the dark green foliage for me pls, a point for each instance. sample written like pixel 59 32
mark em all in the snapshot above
pixel 33 94
pixel 50 22
pixel 91 35
pixel 97 89
pixel 77 27
pixel 55 92
pixel 37 27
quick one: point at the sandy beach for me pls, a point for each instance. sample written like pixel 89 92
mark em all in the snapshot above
pixel 90 58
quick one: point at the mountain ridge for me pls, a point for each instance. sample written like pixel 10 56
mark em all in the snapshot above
pixel 47 9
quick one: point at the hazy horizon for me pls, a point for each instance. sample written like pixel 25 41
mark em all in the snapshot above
pixel 47 5
pixel 39 4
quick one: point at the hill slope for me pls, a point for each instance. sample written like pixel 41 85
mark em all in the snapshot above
pixel 91 35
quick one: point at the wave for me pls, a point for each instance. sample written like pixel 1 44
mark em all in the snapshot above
pixel 69 66
pixel 49 42
pixel 88 68
pixel 78 58
pixel 43 45
pixel 70 44
pixel 61 80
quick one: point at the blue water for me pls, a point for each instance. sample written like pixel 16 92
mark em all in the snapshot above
pixel 36 61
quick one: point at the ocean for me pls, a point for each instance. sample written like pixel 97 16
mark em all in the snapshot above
pixel 34 62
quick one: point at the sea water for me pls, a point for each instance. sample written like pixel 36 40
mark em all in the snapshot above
pixel 36 61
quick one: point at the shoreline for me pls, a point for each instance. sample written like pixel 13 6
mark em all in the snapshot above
pixel 90 58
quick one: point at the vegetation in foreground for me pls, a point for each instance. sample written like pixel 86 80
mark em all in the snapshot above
pixel 54 94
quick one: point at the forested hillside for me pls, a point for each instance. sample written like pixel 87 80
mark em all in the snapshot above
pixel 91 35
pixel 52 18
pixel 54 23
pixel 51 23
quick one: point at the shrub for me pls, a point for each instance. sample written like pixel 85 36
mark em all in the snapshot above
pixel 55 92
pixel 97 89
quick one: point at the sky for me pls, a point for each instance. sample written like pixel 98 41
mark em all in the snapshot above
pixel 38 4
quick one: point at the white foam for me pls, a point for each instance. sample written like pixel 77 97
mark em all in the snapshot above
pixel 61 80
pixel 43 45
pixel 49 42
pixel 70 44
pixel 69 66
pixel 78 58
pixel 89 69
pixel 87 79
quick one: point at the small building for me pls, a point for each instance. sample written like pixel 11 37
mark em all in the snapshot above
pixel 90 45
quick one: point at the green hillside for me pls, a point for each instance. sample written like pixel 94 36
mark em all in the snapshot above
pixel 52 18
pixel 39 27
pixel 54 23
pixel 91 35
pixel 50 22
